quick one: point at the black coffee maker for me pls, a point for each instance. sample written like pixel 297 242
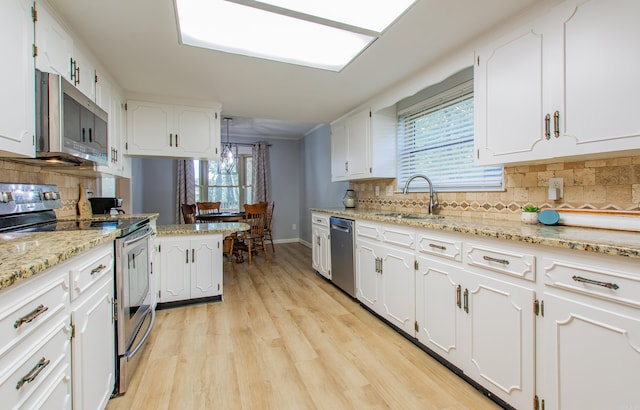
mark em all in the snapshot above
pixel 104 205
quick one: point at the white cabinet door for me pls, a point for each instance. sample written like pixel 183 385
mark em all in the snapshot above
pixel 197 132
pixel 55 45
pixel 206 266
pixel 93 348
pixel 591 355
pixel 599 77
pixel 164 130
pixel 85 79
pixel 150 128
pixel 397 277
pixel 562 86
pixel 439 311
pixel 321 251
pixel 358 129
pixel 368 255
pixel 17 124
pixel 500 334
pixel 510 98
pixel 339 151
pixel 175 283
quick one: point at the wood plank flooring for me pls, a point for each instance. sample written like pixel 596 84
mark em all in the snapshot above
pixel 285 338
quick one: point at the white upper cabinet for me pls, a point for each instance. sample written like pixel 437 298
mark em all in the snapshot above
pixel 177 131
pixel 55 45
pixel 85 74
pixel 363 146
pixel 17 122
pixel 563 86
pixel 110 100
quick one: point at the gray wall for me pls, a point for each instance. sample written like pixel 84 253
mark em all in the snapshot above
pixel 154 179
pixel 316 188
pixel 153 185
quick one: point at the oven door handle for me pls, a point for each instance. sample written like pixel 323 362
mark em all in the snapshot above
pixel 144 338
pixel 138 239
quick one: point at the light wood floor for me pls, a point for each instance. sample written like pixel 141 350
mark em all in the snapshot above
pixel 284 338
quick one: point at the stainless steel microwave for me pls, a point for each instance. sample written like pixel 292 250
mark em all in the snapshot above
pixel 70 128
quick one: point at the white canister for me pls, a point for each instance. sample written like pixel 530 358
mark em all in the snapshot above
pixel 349 200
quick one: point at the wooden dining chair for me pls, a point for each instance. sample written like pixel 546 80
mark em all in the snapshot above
pixel 208 207
pixel 189 213
pixel 267 223
pixel 253 239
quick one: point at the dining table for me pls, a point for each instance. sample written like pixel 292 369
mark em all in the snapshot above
pixel 220 217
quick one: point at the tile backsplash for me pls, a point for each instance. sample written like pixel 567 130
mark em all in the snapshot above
pixel 610 184
pixel 68 183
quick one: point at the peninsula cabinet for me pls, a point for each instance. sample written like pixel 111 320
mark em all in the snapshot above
pixel 321 246
pixel 190 267
pixel 363 145
pixel 173 131
pixel 564 85
pixel 385 272
pixel 17 124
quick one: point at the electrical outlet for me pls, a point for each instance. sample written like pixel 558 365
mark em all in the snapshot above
pixel 556 183
pixel 377 190
pixel 293 227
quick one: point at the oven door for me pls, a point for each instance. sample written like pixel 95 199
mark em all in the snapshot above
pixel 133 291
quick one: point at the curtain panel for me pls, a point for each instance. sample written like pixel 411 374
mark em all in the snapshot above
pixel 260 172
pixel 186 187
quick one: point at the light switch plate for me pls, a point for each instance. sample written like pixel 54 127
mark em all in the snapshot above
pixel 557 183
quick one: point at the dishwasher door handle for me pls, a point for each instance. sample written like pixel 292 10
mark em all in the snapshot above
pixel 340 228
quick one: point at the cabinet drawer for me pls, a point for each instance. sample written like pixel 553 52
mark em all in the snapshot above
pixel 30 375
pixel 396 236
pixel 605 283
pixel 320 219
pixel 440 246
pixel 509 262
pixel 90 270
pixel 28 306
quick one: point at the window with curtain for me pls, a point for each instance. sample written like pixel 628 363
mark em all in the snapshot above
pixel 232 189
pixel 435 138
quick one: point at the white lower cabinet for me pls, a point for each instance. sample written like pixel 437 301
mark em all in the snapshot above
pixel 483 326
pixel 191 267
pixel 57 336
pixel 386 274
pixel 321 246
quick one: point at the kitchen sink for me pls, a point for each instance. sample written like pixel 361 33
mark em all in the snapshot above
pixel 398 215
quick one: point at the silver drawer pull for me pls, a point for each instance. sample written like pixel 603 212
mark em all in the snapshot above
pixel 31 376
pixel 29 317
pixel 490 259
pixel 442 248
pixel 595 282
pixel 98 269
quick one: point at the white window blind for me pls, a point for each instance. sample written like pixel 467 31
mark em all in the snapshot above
pixel 435 138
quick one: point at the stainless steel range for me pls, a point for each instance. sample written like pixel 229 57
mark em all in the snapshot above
pixel 30 208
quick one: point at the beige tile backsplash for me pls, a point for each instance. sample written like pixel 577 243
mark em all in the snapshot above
pixel 68 183
pixel 612 184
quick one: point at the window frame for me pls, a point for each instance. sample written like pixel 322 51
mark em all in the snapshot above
pixel 202 189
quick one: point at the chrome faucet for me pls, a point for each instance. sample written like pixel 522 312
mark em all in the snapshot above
pixel 433 196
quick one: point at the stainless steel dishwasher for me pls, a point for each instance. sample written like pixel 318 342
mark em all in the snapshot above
pixel 343 273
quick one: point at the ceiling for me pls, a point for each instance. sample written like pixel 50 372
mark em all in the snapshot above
pixel 137 42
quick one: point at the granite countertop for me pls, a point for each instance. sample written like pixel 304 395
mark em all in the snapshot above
pixel 225 228
pixel 25 254
pixel 605 241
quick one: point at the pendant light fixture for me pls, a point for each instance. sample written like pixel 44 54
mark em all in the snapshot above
pixel 229 153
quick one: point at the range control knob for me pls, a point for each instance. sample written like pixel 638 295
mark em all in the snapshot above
pixel 50 196
pixel 6 197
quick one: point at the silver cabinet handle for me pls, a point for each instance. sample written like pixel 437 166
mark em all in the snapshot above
pixel 490 259
pixel 346 165
pixel 442 248
pixel 547 126
pixel 98 269
pixel 556 124
pixel 608 285
pixel 193 255
pixel 176 140
pixel 186 260
pixel 29 317
pixel 33 373
pixel 459 296
pixel 171 140
pixel 466 300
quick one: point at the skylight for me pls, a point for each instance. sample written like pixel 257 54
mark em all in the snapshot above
pixel 326 34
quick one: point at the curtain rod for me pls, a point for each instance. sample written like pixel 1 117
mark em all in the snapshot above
pixel 246 144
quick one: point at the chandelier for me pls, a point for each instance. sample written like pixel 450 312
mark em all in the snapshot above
pixel 229 154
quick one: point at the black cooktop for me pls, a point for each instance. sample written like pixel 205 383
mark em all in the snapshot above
pixel 126 226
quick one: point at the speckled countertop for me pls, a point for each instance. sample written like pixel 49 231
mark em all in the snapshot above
pixel 25 254
pixel 604 241
pixel 224 228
